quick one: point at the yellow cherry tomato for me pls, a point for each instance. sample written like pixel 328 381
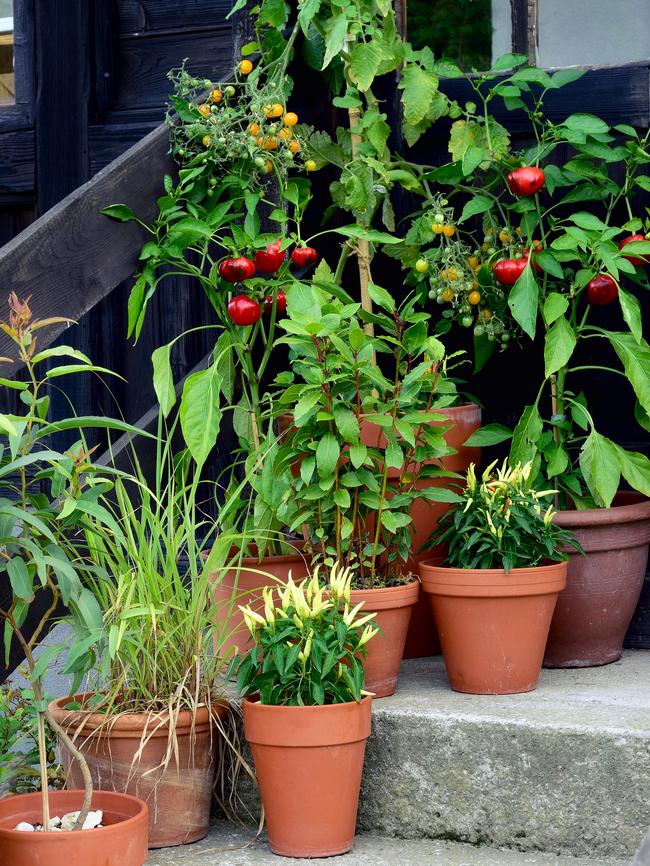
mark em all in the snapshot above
pixel 474 297
pixel 489 233
pixel 310 165
pixel 437 229
pixel 474 263
pixel 206 141
pixel 504 237
pixel 276 110
pixel 291 118
pixel 254 129
pixel 268 167
pixel 485 314
pixel 448 295
pixel 245 67
pixel 294 146
pixel 449 231
pixel 475 284
pixel 204 110
pixel 216 95
pixel 285 133
pixel 485 247
pixel 267 142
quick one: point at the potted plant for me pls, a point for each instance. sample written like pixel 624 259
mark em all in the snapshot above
pixel 149 721
pixel 519 246
pixel 42 563
pixel 306 714
pixel 494 596
pixel 364 446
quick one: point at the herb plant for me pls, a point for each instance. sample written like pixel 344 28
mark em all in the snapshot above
pixel 501 522
pixel 308 644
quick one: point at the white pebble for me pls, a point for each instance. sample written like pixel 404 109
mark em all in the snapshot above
pixel 25 827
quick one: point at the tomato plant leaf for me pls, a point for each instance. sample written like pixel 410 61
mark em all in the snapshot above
pixel 522 301
pixel 558 346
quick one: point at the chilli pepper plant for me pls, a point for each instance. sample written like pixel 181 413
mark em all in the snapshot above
pixel 308 644
pixel 349 466
pixel 516 245
pixel 501 521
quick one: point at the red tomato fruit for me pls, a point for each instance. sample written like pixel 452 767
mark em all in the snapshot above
pixel 271 258
pixel 244 310
pixel 601 290
pixel 236 270
pixel 526 181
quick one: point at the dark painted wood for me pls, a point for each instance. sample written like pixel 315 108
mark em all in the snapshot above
pixel 638 635
pixel 104 25
pixel 519 16
pixel 17 160
pixel 144 62
pixel 72 257
pixel 20 115
pixel 145 16
pixel 107 141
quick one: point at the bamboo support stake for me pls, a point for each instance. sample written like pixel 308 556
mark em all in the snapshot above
pixel 42 754
pixel 362 247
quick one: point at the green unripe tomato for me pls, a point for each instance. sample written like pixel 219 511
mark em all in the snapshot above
pixel 466 308
pixel 230 90
pixel 439 218
pixel 440 299
pixel 491 338
pixel 259 162
pixel 467 321
pixel 432 294
pixel 479 330
pixel 505 337
pixel 422 266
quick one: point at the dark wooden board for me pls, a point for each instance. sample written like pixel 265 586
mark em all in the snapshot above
pixel 108 141
pixel 72 257
pixel 145 16
pixel 619 94
pixel 17 162
pixel 143 63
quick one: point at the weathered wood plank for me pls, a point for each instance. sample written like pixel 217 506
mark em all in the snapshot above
pixel 144 63
pixel 72 257
pixel 17 160
pixel 108 141
pixel 145 16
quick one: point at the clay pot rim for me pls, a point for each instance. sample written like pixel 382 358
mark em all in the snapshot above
pixel 317 708
pixel 127 723
pixel 387 597
pixel 66 835
pixel 493 582
pixel 311 726
pixel 630 513
pixel 430 565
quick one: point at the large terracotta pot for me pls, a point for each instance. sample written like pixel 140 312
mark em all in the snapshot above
pixel 422 639
pixel 393 607
pixel 603 587
pixel 121 842
pixel 308 762
pixel 179 796
pixel 493 626
pixel 243 585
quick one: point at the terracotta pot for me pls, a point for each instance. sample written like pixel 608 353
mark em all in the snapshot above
pixel 603 587
pixel 243 585
pixel 179 796
pixel 393 607
pixel 122 842
pixel 308 762
pixel 493 626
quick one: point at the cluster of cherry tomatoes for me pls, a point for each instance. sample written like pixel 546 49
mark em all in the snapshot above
pixel 245 310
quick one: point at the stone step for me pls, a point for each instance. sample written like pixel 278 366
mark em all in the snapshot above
pixel 563 770
pixel 226 846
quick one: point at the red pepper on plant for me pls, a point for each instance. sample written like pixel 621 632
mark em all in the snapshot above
pixel 270 259
pixel 304 256
pixel 525 181
pixel 508 271
pixel 280 303
pixel 635 260
pixel 244 310
pixel 236 270
pixel 601 290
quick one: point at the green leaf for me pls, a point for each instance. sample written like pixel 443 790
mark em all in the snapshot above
pixel 635 357
pixel 7 426
pixel 394 520
pixel 631 309
pixel 525 436
pixel 347 423
pixel 327 455
pixel 381 297
pixel 20 579
pixel 394 454
pixel 419 87
pixel 586 123
pixel 120 212
pixel 522 301
pixel 476 205
pixel 61 351
pixel 566 76
pixel 550 264
pixel 163 380
pixel 600 466
pixel 635 468
pixel 336 29
pixel 509 61
pixel 67 369
pixel 274 13
pixel 472 158
pixel 555 306
pixel 200 414
pixel 490 434
pixel 372 235
pixel 365 58
pixel 358 454
pixel 559 345
pixel 305 407
pixel 588 221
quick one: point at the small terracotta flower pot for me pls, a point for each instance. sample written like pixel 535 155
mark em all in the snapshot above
pixel 121 842
pixel 308 762
pixel 603 587
pixel 243 585
pixel 393 607
pixel 493 626
pixel 179 796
